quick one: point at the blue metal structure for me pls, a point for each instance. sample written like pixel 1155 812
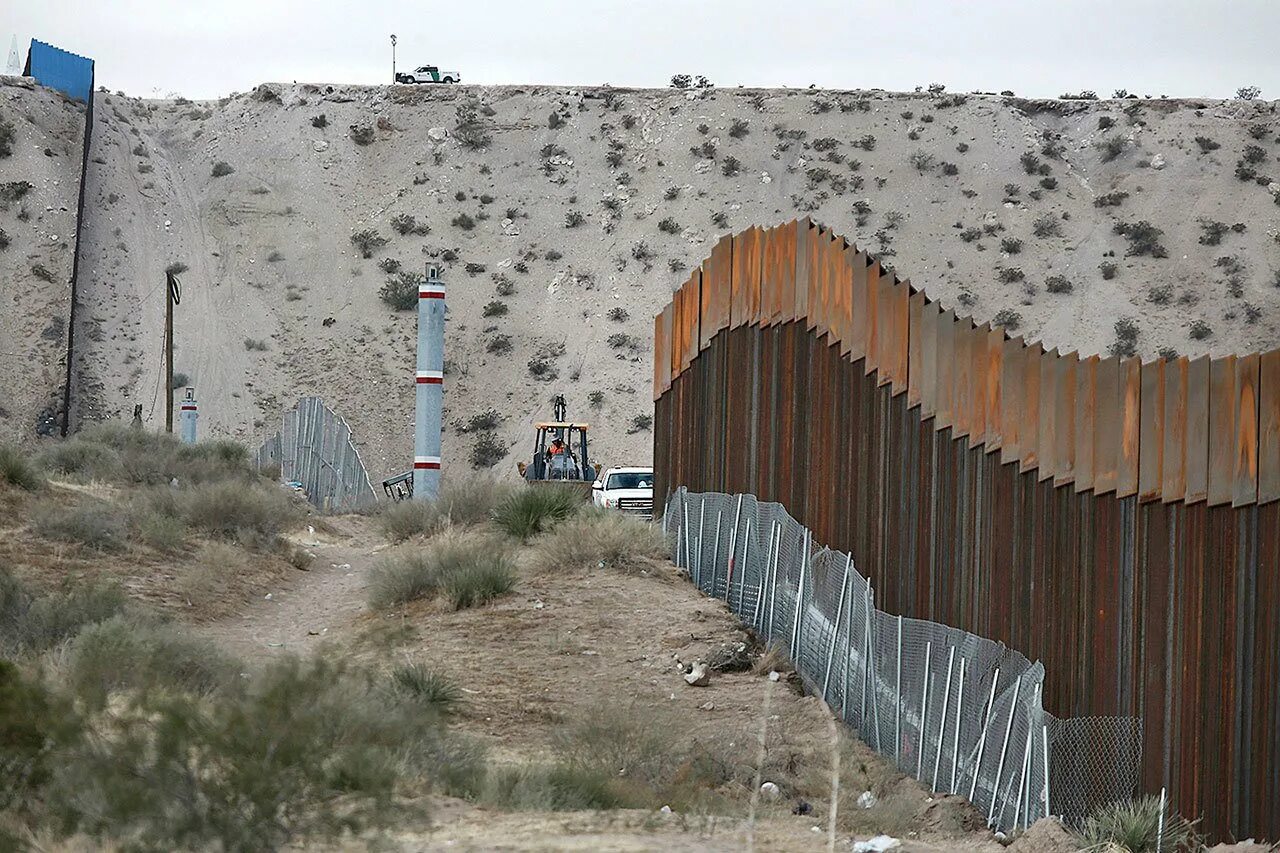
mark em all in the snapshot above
pixel 60 69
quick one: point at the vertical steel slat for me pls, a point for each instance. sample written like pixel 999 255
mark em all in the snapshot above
pixel 1269 428
pixel 1196 461
pixel 1245 490
pixel 1174 459
pixel 1222 429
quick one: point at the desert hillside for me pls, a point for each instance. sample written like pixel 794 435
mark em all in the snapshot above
pixel 565 218
pixel 41 141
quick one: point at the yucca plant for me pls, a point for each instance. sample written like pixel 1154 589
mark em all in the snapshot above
pixel 1136 826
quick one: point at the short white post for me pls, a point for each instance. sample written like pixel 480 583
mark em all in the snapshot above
pixel 955 741
pixel 795 622
pixel 733 553
pixel 1022 781
pixel 764 585
pixel 715 553
pixel 1004 748
pixel 897 711
pixel 1044 749
pixel 835 629
pixel 684 528
pixel 982 738
pixel 870 678
pixel 702 517
pixel 924 710
pixel 942 724
pixel 746 554
pixel 846 654
pixel 773 580
pixel 1160 821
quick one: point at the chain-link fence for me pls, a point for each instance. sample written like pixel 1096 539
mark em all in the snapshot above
pixel 314 450
pixel 959 712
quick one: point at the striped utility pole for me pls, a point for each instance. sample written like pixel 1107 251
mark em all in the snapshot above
pixel 429 403
pixel 187 417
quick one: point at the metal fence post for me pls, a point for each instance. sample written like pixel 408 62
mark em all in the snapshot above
pixel 1004 748
pixel 924 709
pixel 1160 822
pixel 847 653
pixel 982 738
pixel 870 677
pixel 715 553
pixel 760 610
pixel 835 629
pixel 942 725
pixel 897 711
pixel 684 504
pixel 746 563
pixel 1044 740
pixel 733 553
pixel 795 622
pixel 773 582
pixel 702 516
pixel 955 741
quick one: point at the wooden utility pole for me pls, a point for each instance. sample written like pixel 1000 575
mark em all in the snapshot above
pixel 173 296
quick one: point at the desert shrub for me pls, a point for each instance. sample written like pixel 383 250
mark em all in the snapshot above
pixel 549 788
pixel 970 234
pixel 6 138
pixel 1161 294
pixel 79 456
pixel 599 538
pixel 1105 122
pixel 95 525
pixel 428 688
pixel 921 160
pixel 1009 275
pixel 621 340
pixel 495 308
pixel 319 121
pixel 618 314
pixel 1108 270
pixel 1111 199
pixel 401 291
pixel 1199 330
pixel 1047 226
pixel 470 131
pixel 368 242
pixel 1248 93
pixel 13 191
pixel 1049 183
pixel 499 345
pixel 463 221
pixel 1144 238
pixel 1206 144
pixel 402 520
pixel 4 240
pixel 122 653
pixel 238 511
pixel 541 367
pixel 405 223
pixel 17 469
pixel 470 569
pixel 1126 341
pixel 730 166
pixel 613 158
pixel 1008 319
pixel 1058 284
pixel 574 218
pixel 503 285
pixel 1135 826
pixel 1030 163
pixel 1010 245
pixel 487 450
pixel 739 128
pixel 950 169
pixel 1253 154
pixel 222 168
pixel 640 423
pixel 1110 148
pixel 669 226
pixel 596 399
pixel 1259 130
pixel 528 511
pixel 255 344
pixel 33 623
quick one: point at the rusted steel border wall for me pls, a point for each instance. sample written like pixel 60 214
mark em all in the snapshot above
pixel 1117 520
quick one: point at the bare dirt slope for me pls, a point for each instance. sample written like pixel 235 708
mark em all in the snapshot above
pixel 39 191
pixel 991 204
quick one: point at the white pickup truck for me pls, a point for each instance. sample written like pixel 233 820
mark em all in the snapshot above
pixel 428 74
pixel 628 490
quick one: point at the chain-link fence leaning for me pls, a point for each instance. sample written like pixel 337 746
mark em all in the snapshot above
pixel 959 712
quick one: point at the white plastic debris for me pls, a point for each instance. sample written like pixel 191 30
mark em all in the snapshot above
pixel 879 844
pixel 770 791
pixel 665 809
pixel 267 596
pixel 775 675
pixel 866 800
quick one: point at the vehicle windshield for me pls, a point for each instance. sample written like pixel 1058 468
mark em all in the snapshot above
pixel 633 480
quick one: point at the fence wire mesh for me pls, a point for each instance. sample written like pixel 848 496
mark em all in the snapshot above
pixel 314 450
pixel 959 712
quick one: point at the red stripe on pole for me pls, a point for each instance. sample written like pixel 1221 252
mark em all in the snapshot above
pixel 431 295
pixel 427 465
pixel 430 380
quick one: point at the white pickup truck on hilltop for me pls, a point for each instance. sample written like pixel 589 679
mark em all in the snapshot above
pixel 428 74
pixel 627 490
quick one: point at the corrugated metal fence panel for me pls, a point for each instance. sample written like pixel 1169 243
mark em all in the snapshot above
pixel 1269 428
pixel 662 352
pixel 61 69
pixel 715 301
pixel 1196 461
pixel 314 448
pixel 1222 429
pixel 744 302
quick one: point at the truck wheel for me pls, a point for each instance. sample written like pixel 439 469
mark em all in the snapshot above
pixel 447 80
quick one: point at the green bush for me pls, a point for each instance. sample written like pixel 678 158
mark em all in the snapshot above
pixel 532 509
pixel 96 525
pixel 128 654
pixel 239 511
pixel 401 291
pixel 1134 826
pixel 83 459
pixel 16 469
pixel 31 622
pixel 469 568
pixel 427 688
pixel 549 788
pixel 117 453
pixel 403 520
pixel 597 537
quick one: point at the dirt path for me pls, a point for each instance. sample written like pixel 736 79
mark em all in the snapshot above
pixel 312 605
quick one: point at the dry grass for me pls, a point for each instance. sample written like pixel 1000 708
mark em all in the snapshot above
pixel 467 500
pixel 467 566
pixel 16 469
pixel 595 538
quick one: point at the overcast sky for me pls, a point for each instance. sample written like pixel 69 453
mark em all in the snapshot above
pixel 1035 47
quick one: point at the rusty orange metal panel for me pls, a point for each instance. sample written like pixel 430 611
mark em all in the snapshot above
pixel 978 385
pixel 716 292
pixel 1050 380
pixel 946 370
pixel 962 377
pixel 1151 432
pixel 900 317
pixel 873 314
pixel 1086 416
pixel 884 327
pixel 810 246
pixel 662 352
pixel 1173 479
pixel 1269 428
pixel 1065 372
pixel 785 240
pixel 690 320
pixel 838 259
pixel 1222 429
pixel 930 315
pixel 1246 444
pixel 915 309
pixel 1106 422
pixel 1197 434
pixel 1013 389
pixel 858 307
pixel 744 297
pixel 994 392
pixel 1128 462
pixel 1029 431
pixel 804 231
pixel 770 279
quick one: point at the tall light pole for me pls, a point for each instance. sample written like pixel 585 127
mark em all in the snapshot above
pixel 393 58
